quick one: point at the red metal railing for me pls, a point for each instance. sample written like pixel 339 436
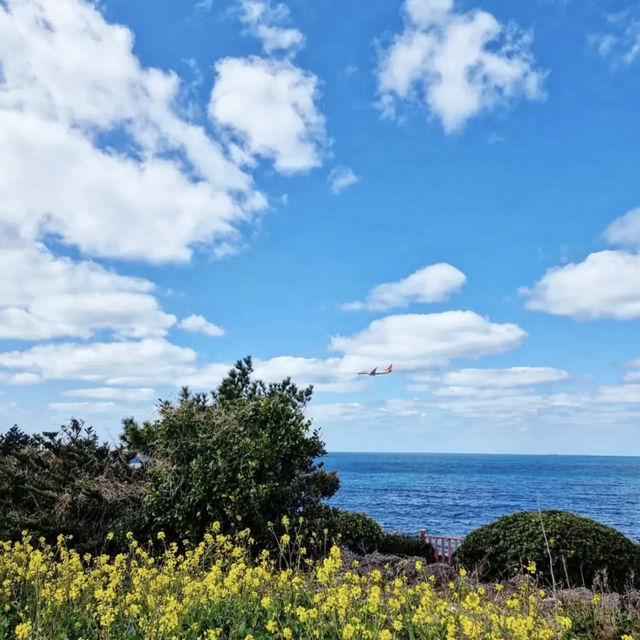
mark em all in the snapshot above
pixel 445 546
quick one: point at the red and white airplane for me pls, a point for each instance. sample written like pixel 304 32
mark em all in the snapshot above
pixel 375 372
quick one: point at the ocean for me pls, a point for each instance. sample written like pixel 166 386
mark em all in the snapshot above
pixel 452 494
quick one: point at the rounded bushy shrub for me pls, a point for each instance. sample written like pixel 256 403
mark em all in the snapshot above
pixel 358 532
pixel 580 549
pixel 361 534
pixel 401 544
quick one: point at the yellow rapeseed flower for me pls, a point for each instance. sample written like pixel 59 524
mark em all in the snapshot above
pixel 271 626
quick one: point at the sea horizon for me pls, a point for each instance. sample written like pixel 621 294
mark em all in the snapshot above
pixel 472 453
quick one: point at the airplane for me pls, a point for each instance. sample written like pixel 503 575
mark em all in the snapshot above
pixel 375 372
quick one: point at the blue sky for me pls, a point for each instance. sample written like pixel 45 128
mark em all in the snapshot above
pixel 448 186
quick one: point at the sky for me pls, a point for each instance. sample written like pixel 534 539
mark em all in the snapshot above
pixel 451 186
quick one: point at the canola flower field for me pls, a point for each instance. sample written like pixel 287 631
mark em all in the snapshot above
pixel 217 589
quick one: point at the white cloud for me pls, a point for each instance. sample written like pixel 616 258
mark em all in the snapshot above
pixel 204 5
pixel 48 297
pixel 412 342
pixel 134 394
pixel 503 378
pixel 157 362
pixel 199 324
pixel 325 374
pixel 622 44
pixel 510 407
pixel 417 341
pixel 20 378
pixel 618 394
pixel 340 178
pixel 150 361
pixel 625 230
pixel 514 407
pixel 69 79
pixel 605 285
pixel 329 411
pixel 84 408
pixel 458 64
pixel 270 106
pixel 434 283
pixel 265 21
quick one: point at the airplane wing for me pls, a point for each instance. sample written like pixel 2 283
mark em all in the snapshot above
pixel 373 371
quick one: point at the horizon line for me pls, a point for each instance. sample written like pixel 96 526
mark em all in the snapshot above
pixel 472 453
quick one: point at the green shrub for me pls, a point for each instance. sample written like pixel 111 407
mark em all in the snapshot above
pixel 358 532
pixel 580 549
pixel 361 534
pixel 401 544
pixel 244 456
pixel 67 482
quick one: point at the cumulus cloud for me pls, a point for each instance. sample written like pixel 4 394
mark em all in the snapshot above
pixel 418 341
pixel 156 362
pixel 20 378
pixel 269 105
pixel 625 230
pixel 340 178
pixel 621 43
pixel 266 22
pixel 510 407
pixel 69 79
pixel 199 324
pixel 150 361
pixel 618 394
pixel 434 283
pixel 414 343
pixel 84 408
pixel 455 63
pixel 325 374
pixel 604 285
pixel 131 394
pixel 503 378
pixel 49 297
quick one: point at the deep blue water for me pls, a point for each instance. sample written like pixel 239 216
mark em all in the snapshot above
pixel 452 494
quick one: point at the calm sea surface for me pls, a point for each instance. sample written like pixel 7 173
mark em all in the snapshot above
pixel 452 494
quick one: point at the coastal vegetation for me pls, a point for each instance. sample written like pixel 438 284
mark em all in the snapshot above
pixel 211 521
pixel 568 550
pixel 218 588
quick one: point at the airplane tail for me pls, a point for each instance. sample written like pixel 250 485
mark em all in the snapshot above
pixel 388 369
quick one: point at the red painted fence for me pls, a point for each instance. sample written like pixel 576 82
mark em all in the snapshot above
pixel 445 546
